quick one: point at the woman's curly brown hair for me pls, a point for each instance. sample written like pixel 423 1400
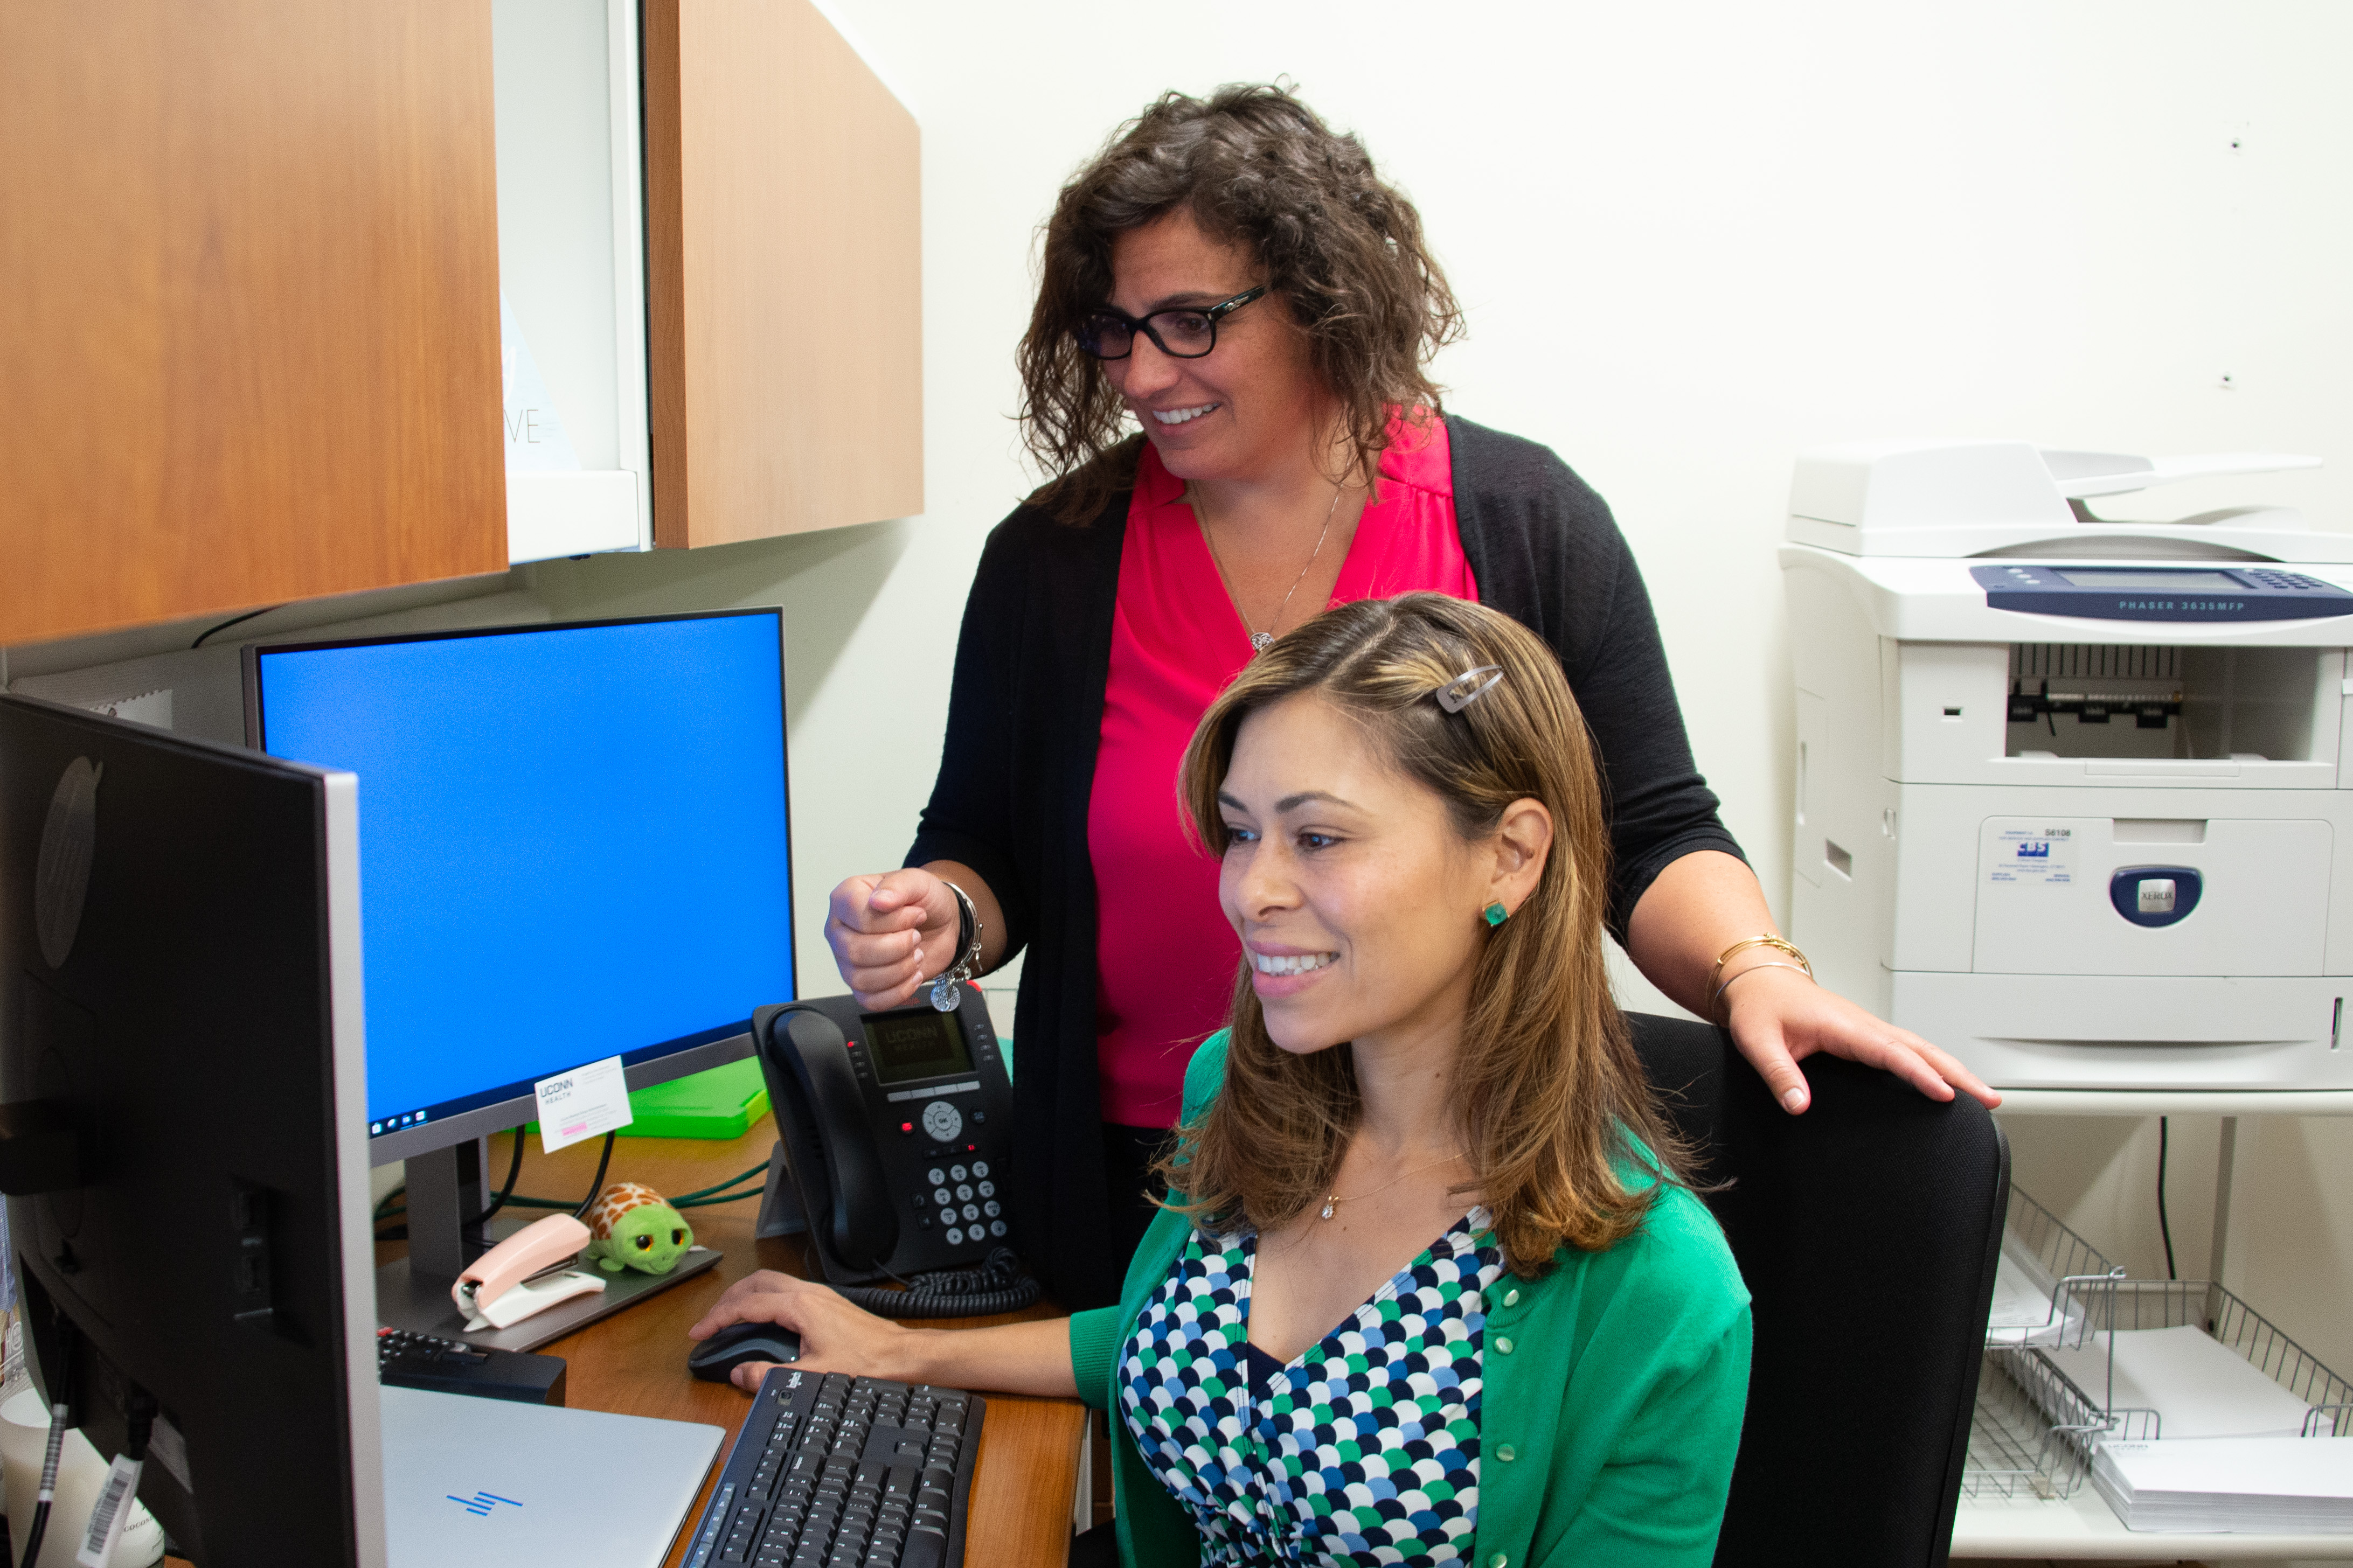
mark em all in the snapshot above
pixel 1254 166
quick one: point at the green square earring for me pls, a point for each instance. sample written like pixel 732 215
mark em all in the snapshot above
pixel 1496 913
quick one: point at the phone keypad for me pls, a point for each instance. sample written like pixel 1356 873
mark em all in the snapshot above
pixel 961 1201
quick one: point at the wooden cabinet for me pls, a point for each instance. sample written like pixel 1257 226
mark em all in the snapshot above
pixel 249 306
pixel 782 276
pixel 709 240
pixel 250 293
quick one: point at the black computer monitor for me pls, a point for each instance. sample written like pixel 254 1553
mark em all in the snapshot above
pixel 182 1083
pixel 576 847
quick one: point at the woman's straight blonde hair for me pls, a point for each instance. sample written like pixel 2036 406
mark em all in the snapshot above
pixel 1551 1099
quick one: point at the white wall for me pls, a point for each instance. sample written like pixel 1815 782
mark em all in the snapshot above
pixel 1693 239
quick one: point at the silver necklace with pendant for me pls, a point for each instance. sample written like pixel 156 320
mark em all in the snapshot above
pixel 1261 641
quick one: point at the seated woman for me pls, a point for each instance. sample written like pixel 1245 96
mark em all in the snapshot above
pixel 1426 1287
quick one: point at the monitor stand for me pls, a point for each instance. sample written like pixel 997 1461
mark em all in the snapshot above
pixel 446 1194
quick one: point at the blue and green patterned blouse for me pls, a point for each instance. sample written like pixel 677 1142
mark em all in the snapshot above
pixel 1365 1450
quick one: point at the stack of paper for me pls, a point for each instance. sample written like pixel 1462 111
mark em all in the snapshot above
pixel 2302 1485
pixel 2198 1386
pixel 2229 1454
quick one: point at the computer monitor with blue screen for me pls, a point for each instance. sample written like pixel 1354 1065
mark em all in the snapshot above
pixel 573 845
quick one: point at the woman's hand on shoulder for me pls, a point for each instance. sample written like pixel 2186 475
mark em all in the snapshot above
pixel 890 932
pixel 1778 1017
pixel 835 1335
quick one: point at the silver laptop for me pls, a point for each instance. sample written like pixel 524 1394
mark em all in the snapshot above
pixel 472 1480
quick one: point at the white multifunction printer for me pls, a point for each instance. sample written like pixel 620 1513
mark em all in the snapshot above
pixel 2074 797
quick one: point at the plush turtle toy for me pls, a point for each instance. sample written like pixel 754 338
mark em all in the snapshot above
pixel 633 1227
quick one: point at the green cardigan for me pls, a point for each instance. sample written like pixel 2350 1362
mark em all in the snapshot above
pixel 1613 1392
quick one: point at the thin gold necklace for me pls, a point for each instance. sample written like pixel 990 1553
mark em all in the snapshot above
pixel 1261 641
pixel 1332 1198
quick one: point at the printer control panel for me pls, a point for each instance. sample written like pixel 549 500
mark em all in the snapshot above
pixel 2126 592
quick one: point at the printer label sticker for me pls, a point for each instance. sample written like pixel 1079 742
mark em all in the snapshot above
pixel 2044 855
pixel 585 1102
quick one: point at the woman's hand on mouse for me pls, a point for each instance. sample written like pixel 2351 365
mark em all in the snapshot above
pixel 1031 1357
pixel 835 1335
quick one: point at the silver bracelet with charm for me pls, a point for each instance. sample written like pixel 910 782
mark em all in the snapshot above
pixel 945 997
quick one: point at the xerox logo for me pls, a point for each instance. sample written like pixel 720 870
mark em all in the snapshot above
pixel 481 1503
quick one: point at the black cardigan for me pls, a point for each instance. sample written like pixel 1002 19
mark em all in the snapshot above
pixel 1025 715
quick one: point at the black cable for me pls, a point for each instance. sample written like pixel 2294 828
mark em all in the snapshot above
pixel 759 1170
pixel 2164 1228
pixel 699 1199
pixel 997 1285
pixel 49 1488
pixel 504 1195
pixel 232 621
pixel 720 1198
pixel 596 1186
pixel 139 1423
pixel 514 1168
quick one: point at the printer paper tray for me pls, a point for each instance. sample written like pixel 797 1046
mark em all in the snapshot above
pixel 2127 1032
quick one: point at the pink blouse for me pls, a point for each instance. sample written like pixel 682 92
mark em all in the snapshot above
pixel 1166 957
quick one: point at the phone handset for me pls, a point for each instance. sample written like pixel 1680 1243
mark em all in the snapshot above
pixel 861 1225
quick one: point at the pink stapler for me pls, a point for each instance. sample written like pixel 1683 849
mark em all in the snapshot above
pixel 526 1273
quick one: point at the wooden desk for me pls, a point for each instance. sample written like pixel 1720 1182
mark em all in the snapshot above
pixel 634 1362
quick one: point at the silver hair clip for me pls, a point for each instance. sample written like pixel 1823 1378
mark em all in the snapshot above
pixel 1467 688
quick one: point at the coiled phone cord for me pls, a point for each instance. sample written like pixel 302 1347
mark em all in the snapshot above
pixel 997 1285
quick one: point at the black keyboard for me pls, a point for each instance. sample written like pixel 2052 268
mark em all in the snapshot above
pixel 831 1471
pixel 407 1360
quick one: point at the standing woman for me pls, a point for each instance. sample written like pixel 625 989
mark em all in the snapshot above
pixel 1236 278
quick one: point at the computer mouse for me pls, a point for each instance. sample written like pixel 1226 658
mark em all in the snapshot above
pixel 716 1358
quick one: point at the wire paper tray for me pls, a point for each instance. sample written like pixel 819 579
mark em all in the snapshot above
pixel 2137 1304
pixel 2045 1272
pixel 2028 1436
pixel 2015 1449
pixel 2036 1429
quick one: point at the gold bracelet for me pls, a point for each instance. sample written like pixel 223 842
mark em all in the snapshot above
pixel 1716 1000
pixel 1744 944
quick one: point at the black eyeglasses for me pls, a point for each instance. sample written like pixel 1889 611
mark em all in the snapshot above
pixel 1187 333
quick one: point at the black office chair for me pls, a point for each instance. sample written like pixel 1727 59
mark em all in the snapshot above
pixel 1868 1230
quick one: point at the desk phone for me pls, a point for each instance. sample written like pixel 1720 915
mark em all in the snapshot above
pixel 896 1128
